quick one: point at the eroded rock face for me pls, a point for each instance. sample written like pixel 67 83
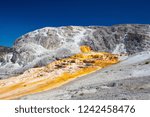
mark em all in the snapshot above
pixel 136 42
pixel 109 38
pixel 45 45
pixel 5 55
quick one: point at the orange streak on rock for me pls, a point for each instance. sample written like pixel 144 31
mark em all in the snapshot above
pixel 55 74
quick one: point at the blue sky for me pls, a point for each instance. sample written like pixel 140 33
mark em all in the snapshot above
pixel 18 17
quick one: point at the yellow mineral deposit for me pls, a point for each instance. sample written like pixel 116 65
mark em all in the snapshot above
pixel 56 73
pixel 85 49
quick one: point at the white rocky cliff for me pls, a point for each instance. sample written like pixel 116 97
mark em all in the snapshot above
pixel 129 79
pixel 42 46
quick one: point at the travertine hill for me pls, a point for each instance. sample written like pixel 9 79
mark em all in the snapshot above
pixel 42 46
pixel 56 73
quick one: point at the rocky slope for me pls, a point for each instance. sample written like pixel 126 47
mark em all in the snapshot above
pixel 43 46
pixel 127 80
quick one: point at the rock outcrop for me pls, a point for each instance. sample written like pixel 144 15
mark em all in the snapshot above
pixel 5 54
